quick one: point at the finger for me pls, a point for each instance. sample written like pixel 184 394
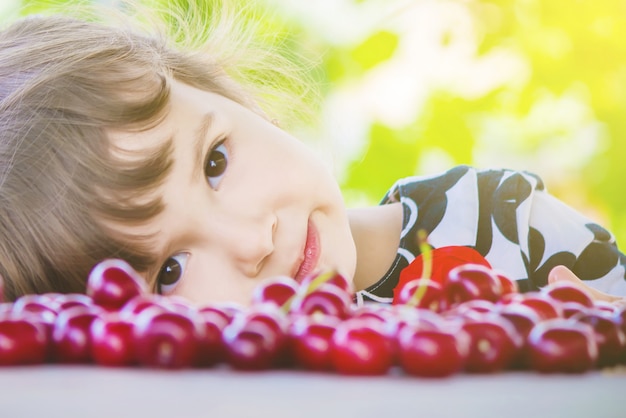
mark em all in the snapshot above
pixel 563 274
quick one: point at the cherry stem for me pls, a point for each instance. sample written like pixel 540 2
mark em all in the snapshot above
pixel 319 280
pixel 426 252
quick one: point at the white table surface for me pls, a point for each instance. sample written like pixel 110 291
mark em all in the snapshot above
pixel 53 391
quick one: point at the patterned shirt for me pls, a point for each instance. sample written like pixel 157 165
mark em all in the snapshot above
pixel 508 217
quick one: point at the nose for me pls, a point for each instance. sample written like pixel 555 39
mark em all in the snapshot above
pixel 249 241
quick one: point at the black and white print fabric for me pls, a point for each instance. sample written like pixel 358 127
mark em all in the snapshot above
pixel 510 218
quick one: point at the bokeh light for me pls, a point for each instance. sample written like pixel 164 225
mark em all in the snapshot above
pixel 412 87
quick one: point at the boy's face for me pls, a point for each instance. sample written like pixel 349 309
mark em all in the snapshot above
pixel 244 201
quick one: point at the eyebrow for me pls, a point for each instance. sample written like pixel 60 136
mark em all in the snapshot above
pixel 199 140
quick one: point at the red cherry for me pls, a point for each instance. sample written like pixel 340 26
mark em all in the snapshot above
pixel 251 344
pixel 374 311
pixel 112 340
pixel 562 346
pixel 509 286
pixel 432 295
pixel 545 306
pixel 42 309
pixel 113 282
pixel 21 341
pixel 361 347
pixel 166 339
pixel 474 307
pixel 417 317
pixel 494 344
pixel 211 350
pixel 608 336
pixel 42 305
pixel 34 313
pixel 270 316
pixel 72 336
pixel 619 317
pixel 5 308
pixel 230 309
pixel 508 298
pixel 310 282
pixel 388 320
pixel 472 281
pixel 139 303
pixel 326 299
pixel 571 309
pixel 276 291
pixel 608 307
pixel 66 301
pixel 210 346
pixel 218 314
pixel 277 321
pixel 523 319
pixel 432 353
pixel 311 341
pixel 566 292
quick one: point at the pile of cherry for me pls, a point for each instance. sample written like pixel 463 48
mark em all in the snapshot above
pixel 476 323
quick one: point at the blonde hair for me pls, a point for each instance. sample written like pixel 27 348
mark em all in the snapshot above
pixel 66 79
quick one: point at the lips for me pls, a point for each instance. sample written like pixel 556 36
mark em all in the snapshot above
pixel 310 253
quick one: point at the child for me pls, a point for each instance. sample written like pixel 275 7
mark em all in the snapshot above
pixel 115 143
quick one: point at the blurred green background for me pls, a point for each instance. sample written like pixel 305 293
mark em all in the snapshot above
pixel 415 87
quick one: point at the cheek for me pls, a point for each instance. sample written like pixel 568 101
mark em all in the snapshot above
pixel 209 281
pixel 339 250
pixel 284 154
pixel 208 295
pixel 349 257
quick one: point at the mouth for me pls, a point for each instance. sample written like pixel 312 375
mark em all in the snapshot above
pixel 310 253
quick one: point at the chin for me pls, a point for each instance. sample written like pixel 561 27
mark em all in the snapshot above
pixel 346 266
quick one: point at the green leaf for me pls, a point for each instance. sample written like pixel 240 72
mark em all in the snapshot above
pixel 387 158
pixel 379 47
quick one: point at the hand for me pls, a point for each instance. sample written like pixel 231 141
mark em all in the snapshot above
pixel 563 274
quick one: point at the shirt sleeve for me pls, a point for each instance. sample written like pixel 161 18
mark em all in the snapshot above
pixel 509 217
pixel 525 231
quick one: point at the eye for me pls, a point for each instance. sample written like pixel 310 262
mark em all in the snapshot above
pixel 171 272
pixel 215 164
